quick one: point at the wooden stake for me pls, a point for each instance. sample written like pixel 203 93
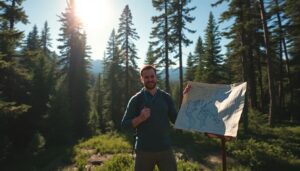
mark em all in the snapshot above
pixel 223 148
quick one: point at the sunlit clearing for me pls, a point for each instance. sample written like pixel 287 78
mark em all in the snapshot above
pixel 94 13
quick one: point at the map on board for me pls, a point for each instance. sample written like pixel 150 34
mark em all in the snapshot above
pixel 212 108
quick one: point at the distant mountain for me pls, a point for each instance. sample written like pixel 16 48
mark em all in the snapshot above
pixel 96 66
pixel 173 74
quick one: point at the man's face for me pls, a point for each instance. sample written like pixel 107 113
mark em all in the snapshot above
pixel 148 78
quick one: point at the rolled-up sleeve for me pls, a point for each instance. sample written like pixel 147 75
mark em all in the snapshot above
pixel 130 113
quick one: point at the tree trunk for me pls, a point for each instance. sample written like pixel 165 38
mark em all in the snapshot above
pixel 167 83
pixel 250 65
pixel 260 82
pixel 280 86
pixel 282 38
pixel 269 64
pixel 180 51
pixel 244 64
pixel 127 70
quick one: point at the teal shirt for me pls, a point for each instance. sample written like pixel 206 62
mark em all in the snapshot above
pixel 154 133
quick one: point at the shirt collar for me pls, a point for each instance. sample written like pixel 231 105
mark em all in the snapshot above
pixel 148 93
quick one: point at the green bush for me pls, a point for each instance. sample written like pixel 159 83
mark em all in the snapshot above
pixel 111 143
pixel 118 162
pixel 107 143
pixel 187 166
pixel 125 162
pixel 259 155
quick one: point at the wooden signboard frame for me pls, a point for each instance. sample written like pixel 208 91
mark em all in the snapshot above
pixel 223 148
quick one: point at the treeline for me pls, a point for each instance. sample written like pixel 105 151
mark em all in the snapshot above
pixel 263 51
pixel 44 100
pixel 49 99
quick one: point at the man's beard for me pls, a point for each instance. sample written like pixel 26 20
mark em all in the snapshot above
pixel 150 85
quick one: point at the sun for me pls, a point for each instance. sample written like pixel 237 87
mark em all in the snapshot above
pixel 98 18
pixel 94 13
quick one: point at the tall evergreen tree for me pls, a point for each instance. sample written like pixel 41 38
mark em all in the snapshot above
pixel 246 41
pixel 11 13
pixel 14 82
pixel 272 102
pixel 45 38
pixel 150 58
pixel 292 11
pixel 212 59
pixel 114 81
pixel 33 40
pixel 279 37
pixel 41 86
pixel 161 37
pixel 190 70
pixel 293 29
pixel 74 63
pixel 99 119
pixel 181 16
pixel 126 35
pixel 199 59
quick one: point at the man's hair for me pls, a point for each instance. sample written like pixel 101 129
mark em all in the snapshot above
pixel 147 67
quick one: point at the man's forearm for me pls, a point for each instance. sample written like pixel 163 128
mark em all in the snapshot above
pixel 144 115
pixel 136 121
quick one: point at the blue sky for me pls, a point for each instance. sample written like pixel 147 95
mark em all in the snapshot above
pixel 105 16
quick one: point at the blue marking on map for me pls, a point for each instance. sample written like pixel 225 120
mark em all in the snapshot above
pixel 203 114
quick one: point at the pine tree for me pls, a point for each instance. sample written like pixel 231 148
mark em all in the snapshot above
pixel 190 70
pixel 74 63
pixel 293 29
pixel 9 40
pixel 246 41
pixel 42 70
pixel 126 35
pixel 279 37
pixel 150 58
pixel 33 42
pixel 211 64
pixel 14 82
pixel 272 102
pixel 45 38
pixel 160 36
pixel 292 11
pixel 114 81
pixel 98 119
pixel 199 59
pixel 181 16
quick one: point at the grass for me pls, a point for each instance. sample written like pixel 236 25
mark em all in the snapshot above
pixel 117 145
pixel 262 148
pixel 111 143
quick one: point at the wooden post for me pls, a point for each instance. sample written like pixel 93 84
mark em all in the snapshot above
pixel 223 148
pixel 223 155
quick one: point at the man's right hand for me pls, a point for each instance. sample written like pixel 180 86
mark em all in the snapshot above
pixel 144 115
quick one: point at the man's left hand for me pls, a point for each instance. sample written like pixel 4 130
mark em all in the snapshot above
pixel 187 89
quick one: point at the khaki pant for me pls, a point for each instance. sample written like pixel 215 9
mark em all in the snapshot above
pixel 146 161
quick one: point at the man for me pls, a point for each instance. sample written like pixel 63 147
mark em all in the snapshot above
pixel 149 111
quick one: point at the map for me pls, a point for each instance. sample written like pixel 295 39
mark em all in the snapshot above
pixel 212 108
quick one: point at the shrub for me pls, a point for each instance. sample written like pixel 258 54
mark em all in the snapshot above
pixel 187 166
pixel 122 162
pixel 259 155
pixel 110 143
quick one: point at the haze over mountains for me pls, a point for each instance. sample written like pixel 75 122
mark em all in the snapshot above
pixel 97 67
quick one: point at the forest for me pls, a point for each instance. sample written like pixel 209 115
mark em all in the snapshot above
pixel 56 115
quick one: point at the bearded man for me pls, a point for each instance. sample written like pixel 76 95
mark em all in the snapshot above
pixel 149 112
